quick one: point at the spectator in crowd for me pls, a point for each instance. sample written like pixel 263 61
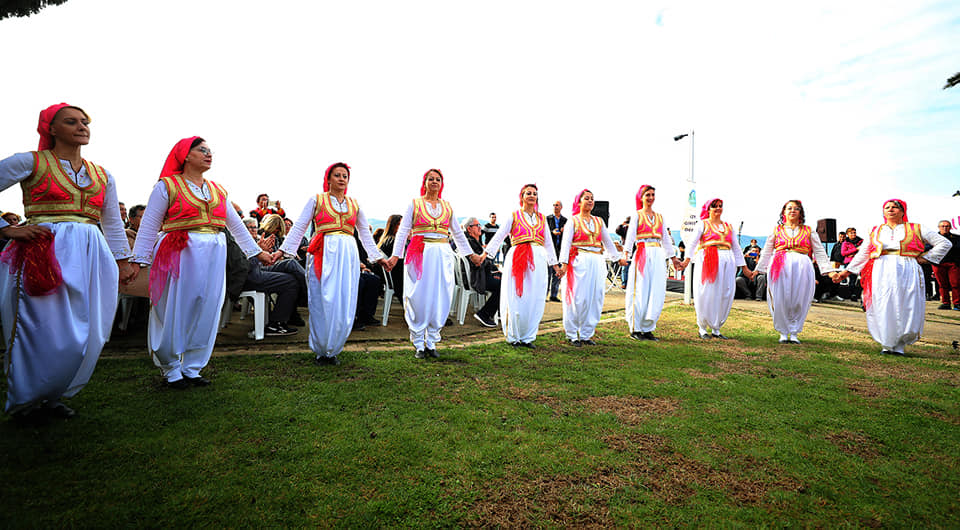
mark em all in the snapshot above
pixel 490 228
pixel 264 208
pixel 287 279
pixel 555 224
pixel 622 231
pixel 484 278
pixel 948 271
pixel 835 255
pixel 849 249
pixel 302 251
pixel 123 213
pixel 754 288
pixel 369 288
pixel 751 254
pixel 133 222
pixel 385 244
pixel 11 218
pixel 272 232
pixel 889 265
pixel 56 321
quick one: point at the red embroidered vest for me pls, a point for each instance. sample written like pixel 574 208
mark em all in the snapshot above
pixel 646 230
pixel 714 238
pixel 185 211
pixel 424 223
pixel 911 245
pixel 326 219
pixel 521 231
pixel 50 191
pixel 800 243
pixel 583 236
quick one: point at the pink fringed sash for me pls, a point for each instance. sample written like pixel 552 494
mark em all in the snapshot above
pixel 522 262
pixel 41 270
pixel 866 282
pixel 640 257
pixel 166 262
pixel 711 263
pixel 315 249
pixel 568 293
pixel 776 266
pixel 414 255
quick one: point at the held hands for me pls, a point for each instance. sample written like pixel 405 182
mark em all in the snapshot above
pixel 390 263
pixel 24 232
pixel 477 259
pixel 840 276
pixel 677 264
pixel 128 271
pixel 623 262
pixel 560 269
pixel 385 264
pixel 266 258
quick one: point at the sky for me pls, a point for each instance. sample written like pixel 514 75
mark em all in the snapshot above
pixel 838 104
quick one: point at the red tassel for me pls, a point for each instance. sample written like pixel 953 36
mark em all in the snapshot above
pixel 315 249
pixel 522 262
pixel 866 282
pixel 711 263
pixel 414 255
pixel 777 265
pixel 641 257
pixel 568 294
pixel 41 270
pixel 166 262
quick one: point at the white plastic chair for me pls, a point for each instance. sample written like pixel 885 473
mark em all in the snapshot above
pixel 467 292
pixel 387 297
pixel 259 310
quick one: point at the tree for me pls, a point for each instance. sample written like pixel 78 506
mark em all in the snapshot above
pixel 24 8
pixel 955 80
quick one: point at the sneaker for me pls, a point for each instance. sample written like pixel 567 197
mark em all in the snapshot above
pixel 276 329
pixel 956 307
pixel 943 306
pixel 648 335
pixel 837 299
pixel 296 320
pixel 485 322
pixel 419 354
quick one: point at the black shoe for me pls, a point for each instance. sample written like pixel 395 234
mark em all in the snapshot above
pixel 588 342
pixel 648 335
pixel 325 361
pixel 575 342
pixel 57 409
pixel 706 336
pixel 886 352
pixel 296 320
pixel 358 326
pixel 944 306
pixel 516 344
pixel 197 381
pixel 431 352
pixel 31 417
pixel 721 336
pixel 485 321
pixel 179 384
pixel 636 335
pixel 784 341
pixel 449 322
pixel 419 354
pixel 554 299
pixel 276 329
pixel 528 345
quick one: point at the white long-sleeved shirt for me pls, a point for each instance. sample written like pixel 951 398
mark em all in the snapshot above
pixel 494 244
pixel 406 224
pixel 17 168
pixel 299 228
pixel 156 210
pixel 890 238
pixel 665 241
pixel 819 253
pixel 567 241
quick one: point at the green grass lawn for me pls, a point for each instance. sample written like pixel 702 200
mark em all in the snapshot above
pixel 683 432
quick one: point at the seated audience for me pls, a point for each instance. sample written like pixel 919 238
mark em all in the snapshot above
pixel 485 278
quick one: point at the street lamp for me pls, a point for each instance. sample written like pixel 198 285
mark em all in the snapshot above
pixel 690 219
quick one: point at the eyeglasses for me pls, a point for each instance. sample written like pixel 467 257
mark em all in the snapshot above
pixel 473 225
pixel 204 151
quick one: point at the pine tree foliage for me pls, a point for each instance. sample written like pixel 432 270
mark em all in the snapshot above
pixel 24 8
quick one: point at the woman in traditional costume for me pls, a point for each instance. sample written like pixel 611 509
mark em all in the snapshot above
pixel 717 258
pixel 333 263
pixel 428 263
pixel 523 289
pixel 584 270
pixel 59 274
pixel 889 266
pixel 647 278
pixel 786 259
pixel 181 234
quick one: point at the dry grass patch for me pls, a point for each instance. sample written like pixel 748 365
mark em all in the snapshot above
pixel 632 410
pixel 866 389
pixel 856 444
pixel 910 372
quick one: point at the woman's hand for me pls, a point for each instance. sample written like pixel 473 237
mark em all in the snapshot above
pixel 384 264
pixel 922 261
pixel 266 243
pixel 623 262
pixel 476 259
pixel 391 262
pixel 24 232
pixel 840 276
pixel 561 269
pixel 677 264
pixel 276 256
pixel 128 271
pixel 265 258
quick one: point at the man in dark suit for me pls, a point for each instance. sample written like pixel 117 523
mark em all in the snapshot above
pixel 485 278
pixel 555 224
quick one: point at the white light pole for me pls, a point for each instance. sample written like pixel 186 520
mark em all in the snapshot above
pixel 690 219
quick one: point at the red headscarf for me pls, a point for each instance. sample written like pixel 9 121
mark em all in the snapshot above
pixel 525 186
pixel 46 118
pixel 575 209
pixel 423 185
pixel 178 154
pixel 705 211
pixel 640 192
pixel 903 206
pixel 326 175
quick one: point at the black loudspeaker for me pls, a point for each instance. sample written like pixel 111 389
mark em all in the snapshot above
pixel 827 230
pixel 602 210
